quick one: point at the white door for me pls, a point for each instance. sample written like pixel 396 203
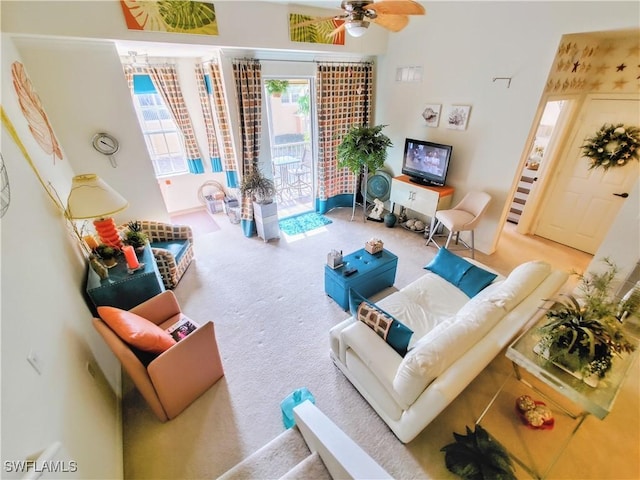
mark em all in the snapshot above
pixel 583 203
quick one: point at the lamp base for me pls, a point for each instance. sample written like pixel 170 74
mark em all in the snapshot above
pixel 108 233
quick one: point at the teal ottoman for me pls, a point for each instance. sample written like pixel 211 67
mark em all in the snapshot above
pixel 375 273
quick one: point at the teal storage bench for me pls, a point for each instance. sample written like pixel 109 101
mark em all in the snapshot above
pixel 375 273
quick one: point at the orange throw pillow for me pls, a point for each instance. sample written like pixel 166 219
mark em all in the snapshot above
pixel 136 330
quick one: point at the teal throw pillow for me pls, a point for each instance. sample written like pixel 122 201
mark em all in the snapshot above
pixel 448 266
pixel 355 299
pixel 475 280
pixel 456 270
pixel 395 333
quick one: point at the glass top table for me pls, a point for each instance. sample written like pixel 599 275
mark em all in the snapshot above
pixel 597 400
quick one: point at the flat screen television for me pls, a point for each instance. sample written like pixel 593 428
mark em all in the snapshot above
pixel 425 162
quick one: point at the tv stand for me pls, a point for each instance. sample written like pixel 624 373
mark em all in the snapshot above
pixel 422 182
pixel 425 200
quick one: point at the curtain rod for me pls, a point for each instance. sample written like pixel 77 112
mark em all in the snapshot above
pixel 337 62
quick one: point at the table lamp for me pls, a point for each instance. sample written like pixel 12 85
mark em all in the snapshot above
pixel 91 197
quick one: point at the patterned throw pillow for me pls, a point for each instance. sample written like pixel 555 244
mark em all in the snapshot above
pixel 396 334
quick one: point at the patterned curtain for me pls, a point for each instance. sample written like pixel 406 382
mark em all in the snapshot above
pixel 165 79
pixel 221 117
pixel 343 98
pixel 204 89
pixel 248 79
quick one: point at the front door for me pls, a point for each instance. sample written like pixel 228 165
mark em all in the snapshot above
pixel 583 203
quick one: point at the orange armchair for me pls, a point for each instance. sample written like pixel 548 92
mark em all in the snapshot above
pixel 172 380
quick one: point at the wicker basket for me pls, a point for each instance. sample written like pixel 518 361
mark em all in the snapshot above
pixel 374 247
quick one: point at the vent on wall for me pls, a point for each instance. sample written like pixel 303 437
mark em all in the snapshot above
pixel 409 74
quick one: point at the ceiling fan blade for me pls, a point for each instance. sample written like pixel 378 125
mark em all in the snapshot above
pixel 394 23
pixel 396 7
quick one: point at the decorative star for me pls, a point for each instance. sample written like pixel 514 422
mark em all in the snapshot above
pixel 606 50
pixel 621 67
pixel 596 85
pixel 576 64
pixel 600 69
pixel 619 84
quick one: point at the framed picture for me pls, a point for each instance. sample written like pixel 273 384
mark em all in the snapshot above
pixel 458 116
pixel 431 114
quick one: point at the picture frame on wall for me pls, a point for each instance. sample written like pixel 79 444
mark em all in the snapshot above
pixel 431 114
pixel 458 117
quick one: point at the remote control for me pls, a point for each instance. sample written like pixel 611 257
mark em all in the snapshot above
pixel 350 271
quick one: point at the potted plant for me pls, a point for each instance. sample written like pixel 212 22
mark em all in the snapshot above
pixel 107 253
pixel 476 456
pixel 362 150
pixel 584 334
pixel 134 236
pixel 260 188
pixel 276 88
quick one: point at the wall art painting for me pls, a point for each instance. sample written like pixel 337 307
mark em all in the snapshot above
pixel 308 29
pixel 34 113
pixel 458 116
pixel 431 114
pixel 198 18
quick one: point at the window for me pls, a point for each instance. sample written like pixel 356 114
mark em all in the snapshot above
pixel 293 93
pixel 161 135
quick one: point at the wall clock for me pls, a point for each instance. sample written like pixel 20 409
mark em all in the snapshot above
pixel 107 145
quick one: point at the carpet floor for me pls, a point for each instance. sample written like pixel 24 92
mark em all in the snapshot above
pixel 272 319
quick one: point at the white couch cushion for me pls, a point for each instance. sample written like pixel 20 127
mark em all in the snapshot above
pixel 442 346
pixel 520 283
pixel 423 304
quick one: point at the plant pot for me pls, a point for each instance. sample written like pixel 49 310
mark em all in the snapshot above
pixel 569 362
pixel 390 220
pixel 109 262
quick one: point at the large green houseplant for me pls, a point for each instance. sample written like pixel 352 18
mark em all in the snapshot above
pixel 260 188
pixel 362 150
pixel 585 333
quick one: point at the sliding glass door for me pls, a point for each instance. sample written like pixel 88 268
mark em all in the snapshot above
pixel 289 108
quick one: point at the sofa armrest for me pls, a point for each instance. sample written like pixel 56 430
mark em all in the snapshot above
pixel 374 352
pixel 158 309
pixel 185 371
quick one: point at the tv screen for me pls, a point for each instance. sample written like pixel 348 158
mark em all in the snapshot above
pixel 426 162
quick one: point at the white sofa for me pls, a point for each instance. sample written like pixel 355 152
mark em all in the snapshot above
pixel 455 337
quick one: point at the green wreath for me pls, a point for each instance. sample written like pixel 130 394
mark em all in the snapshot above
pixel 612 146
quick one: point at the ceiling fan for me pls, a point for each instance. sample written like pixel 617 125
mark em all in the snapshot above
pixel 358 14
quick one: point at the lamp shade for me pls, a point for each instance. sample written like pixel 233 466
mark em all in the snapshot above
pixel 91 197
pixel 356 28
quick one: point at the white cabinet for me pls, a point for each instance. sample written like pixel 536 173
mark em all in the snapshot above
pixel 266 217
pixel 420 198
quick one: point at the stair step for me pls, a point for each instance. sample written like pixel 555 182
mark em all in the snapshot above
pixel 311 468
pixel 273 460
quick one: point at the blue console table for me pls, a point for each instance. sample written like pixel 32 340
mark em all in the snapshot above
pixel 375 273
pixel 122 289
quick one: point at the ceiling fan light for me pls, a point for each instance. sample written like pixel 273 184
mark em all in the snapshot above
pixel 356 28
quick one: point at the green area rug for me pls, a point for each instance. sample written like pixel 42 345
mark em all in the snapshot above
pixel 303 223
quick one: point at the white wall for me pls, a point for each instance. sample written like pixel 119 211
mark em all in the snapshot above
pixel 462 46
pixel 44 313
